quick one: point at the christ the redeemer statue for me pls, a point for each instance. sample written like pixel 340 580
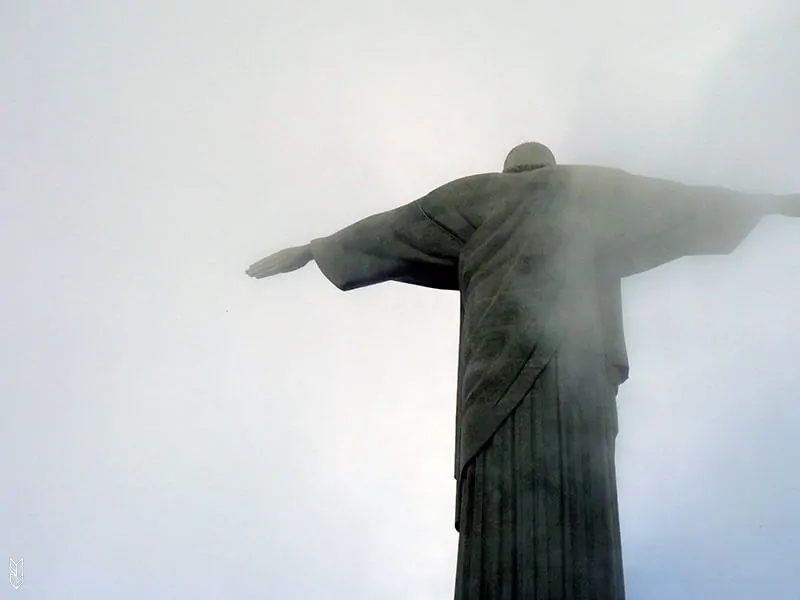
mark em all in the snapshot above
pixel 537 253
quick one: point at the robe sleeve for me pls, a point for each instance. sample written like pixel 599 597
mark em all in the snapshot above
pixel 404 244
pixel 642 222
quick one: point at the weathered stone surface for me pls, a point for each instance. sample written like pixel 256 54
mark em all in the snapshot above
pixel 537 253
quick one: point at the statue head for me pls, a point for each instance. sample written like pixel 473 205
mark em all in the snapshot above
pixel 527 157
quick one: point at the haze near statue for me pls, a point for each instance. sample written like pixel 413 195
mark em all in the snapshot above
pixel 537 253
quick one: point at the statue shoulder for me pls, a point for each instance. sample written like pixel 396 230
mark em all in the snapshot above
pixel 597 180
pixel 464 186
pixel 476 180
pixel 594 172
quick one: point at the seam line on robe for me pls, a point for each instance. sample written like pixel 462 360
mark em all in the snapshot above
pixel 447 230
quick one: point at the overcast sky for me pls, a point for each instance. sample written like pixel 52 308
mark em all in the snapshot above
pixel 173 429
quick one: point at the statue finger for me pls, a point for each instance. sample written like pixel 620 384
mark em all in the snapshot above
pixel 262 262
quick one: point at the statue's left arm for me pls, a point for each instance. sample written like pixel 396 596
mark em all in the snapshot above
pixel 418 243
pixel 642 222
pixel 404 244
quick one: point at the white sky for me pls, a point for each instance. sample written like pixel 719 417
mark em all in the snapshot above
pixel 173 429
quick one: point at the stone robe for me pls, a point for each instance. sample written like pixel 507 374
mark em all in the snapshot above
pixel 538 258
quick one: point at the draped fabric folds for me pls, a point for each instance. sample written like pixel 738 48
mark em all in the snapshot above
pixel 538 505
pixel 537 258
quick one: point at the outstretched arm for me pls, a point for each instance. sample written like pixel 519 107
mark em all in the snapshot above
pixel 643 222
pixel 285 261
pixel 788 206
pixel 404 244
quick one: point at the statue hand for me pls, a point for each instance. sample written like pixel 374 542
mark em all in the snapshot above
pixel 284 261
pixel 789 206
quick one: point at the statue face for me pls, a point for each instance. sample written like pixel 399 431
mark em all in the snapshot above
pixel 530 153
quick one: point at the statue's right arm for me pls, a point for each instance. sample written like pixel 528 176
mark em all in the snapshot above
pixel 644 222
pixel 787 206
